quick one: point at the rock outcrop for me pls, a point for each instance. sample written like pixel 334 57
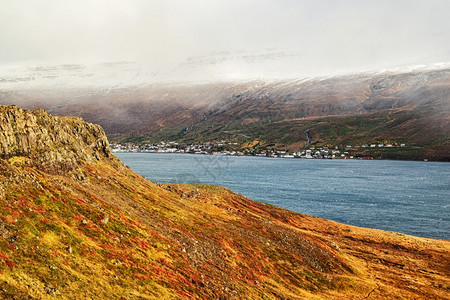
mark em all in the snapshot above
pixel 56 144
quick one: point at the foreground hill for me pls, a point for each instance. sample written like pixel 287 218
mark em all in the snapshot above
pixel 402 107
pixel 75 223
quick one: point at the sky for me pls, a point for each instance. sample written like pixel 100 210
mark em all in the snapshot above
pixel 228 37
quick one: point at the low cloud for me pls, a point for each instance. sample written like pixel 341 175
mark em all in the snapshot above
pixel 310 36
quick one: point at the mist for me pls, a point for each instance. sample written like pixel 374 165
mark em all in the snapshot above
pixel 236 39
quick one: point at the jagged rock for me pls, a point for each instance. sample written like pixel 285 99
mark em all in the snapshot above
pixel 54 144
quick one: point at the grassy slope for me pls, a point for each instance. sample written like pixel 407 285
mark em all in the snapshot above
pixel 426 137
pixel 169 241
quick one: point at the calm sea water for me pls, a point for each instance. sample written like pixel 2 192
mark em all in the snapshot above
pixel 402 196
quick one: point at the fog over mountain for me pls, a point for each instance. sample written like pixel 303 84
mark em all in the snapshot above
pixel 202 69
pixel 403 106
pixel 198 40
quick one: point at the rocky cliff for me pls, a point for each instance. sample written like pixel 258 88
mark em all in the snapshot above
pixel 56 144
pixel 75 223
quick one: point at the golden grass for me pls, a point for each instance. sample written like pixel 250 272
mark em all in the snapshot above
pixel 166 241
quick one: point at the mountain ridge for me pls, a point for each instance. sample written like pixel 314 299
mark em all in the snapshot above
pixel 410 107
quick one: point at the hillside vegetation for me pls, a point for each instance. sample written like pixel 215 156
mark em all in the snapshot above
pixel 75 223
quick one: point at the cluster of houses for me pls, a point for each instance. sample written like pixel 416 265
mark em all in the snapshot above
pixel 321 152
pixel 174 147
pixel 334 152
pixel 377 145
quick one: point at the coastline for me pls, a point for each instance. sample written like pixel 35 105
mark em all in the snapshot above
pixel 295 157
pixel 317 187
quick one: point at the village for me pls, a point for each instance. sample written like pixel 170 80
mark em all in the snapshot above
pixel 232 148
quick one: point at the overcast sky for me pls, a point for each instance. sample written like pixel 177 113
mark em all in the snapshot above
pixel 309 37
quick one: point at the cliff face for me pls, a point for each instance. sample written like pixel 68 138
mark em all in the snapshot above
pixel 52 143
pixel 75 223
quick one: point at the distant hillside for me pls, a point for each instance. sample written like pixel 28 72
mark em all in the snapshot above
pixel 404 107
pixel 75 223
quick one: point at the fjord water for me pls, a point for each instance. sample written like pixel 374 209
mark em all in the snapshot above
pixel 403 196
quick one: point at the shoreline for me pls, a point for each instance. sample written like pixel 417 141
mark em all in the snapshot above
pixel 296 158
pixel 373 192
